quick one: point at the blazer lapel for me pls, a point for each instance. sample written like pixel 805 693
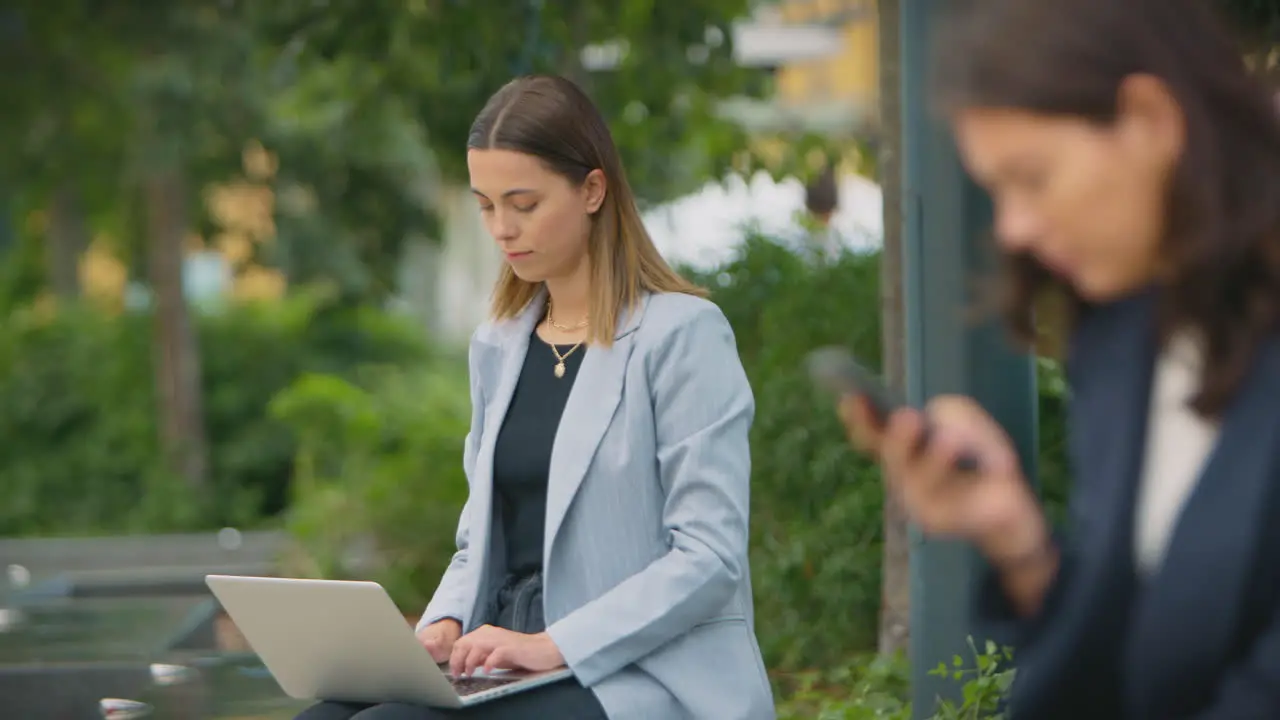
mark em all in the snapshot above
pixel 1109 424
pixel 591 405
pixel 1111 366
pixel 502 373
pixel 1210 554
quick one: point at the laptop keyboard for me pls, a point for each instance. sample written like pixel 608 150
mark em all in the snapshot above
pixel 472 685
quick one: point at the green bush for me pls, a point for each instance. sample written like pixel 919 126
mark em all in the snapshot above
pixel 78 412
pixel 817 506
pixel 868 687
pixel 1053 473
pixel 878 688
pixel 380 460
pixel 253 352
pixel 76 415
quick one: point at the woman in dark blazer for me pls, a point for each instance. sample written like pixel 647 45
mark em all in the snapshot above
pixel 1135 170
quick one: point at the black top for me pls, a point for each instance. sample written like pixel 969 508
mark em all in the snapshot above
pixel 522 454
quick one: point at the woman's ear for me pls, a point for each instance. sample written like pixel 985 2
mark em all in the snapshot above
pixel 1152 117
pixel 594 188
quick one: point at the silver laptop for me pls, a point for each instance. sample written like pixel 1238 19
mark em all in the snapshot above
pixel 339 640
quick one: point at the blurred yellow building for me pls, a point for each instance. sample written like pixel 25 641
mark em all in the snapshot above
pixel 846 81
pixel 824 56
pixel 824 59
pixel 245 212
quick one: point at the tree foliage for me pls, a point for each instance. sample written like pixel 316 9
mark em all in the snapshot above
pixel 665 66
pixel 365 105
pixel 125 115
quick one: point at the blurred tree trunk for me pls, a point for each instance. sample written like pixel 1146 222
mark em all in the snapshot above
pixel 570 61
pixel 7 234
pixel 66 241
pixel 895 598
pixel 175 349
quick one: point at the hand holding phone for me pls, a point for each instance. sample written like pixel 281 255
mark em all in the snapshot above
pixel 835 370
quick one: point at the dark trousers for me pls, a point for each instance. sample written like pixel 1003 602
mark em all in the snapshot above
pixel 564 700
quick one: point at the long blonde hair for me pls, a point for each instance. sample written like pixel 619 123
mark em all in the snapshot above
pixel 552 119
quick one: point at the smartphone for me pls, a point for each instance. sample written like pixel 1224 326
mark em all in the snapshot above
pixel 835 370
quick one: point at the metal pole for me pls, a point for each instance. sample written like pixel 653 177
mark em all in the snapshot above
pixel 946 222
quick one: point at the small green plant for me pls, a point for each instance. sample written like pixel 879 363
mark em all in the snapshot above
pixel 879 688
pixel 986 683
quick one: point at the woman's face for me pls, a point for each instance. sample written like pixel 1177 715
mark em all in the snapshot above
pixel 1086 200
pixel 540 220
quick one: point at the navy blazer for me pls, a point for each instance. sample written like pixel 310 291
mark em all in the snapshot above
pixel 1200 639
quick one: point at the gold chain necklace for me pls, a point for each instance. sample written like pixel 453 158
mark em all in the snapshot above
pixel 552 322
pixel 560 368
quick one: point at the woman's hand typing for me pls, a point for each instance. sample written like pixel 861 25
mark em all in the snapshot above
pixel 494 648
pixel 438 638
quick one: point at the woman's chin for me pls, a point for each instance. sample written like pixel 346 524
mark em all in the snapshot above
pixel 1101 290
pixel 527 274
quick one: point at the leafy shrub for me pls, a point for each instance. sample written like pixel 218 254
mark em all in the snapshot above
pixel 1053 473
pixel 817 506
pixel 878 688
pixel 77 418
pixel 380 460
pixel 985 685
pixel 78 412
pixel 868 687
pixel 253 352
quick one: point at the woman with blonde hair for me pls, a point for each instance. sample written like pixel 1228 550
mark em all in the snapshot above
pixel 608 458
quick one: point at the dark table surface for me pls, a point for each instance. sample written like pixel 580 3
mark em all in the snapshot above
pixel 60 656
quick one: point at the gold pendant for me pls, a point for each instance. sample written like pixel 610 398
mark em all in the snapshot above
pixel 560 370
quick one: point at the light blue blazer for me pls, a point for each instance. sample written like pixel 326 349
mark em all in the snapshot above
pixel 647 587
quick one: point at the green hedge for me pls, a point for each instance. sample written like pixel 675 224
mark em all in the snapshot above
pixel 78 413
pixel 816 505
pixel 380 459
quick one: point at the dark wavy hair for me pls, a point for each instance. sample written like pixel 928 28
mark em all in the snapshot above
pixel 1222 213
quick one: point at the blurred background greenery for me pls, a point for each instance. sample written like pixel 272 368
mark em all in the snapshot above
pixel 344 446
